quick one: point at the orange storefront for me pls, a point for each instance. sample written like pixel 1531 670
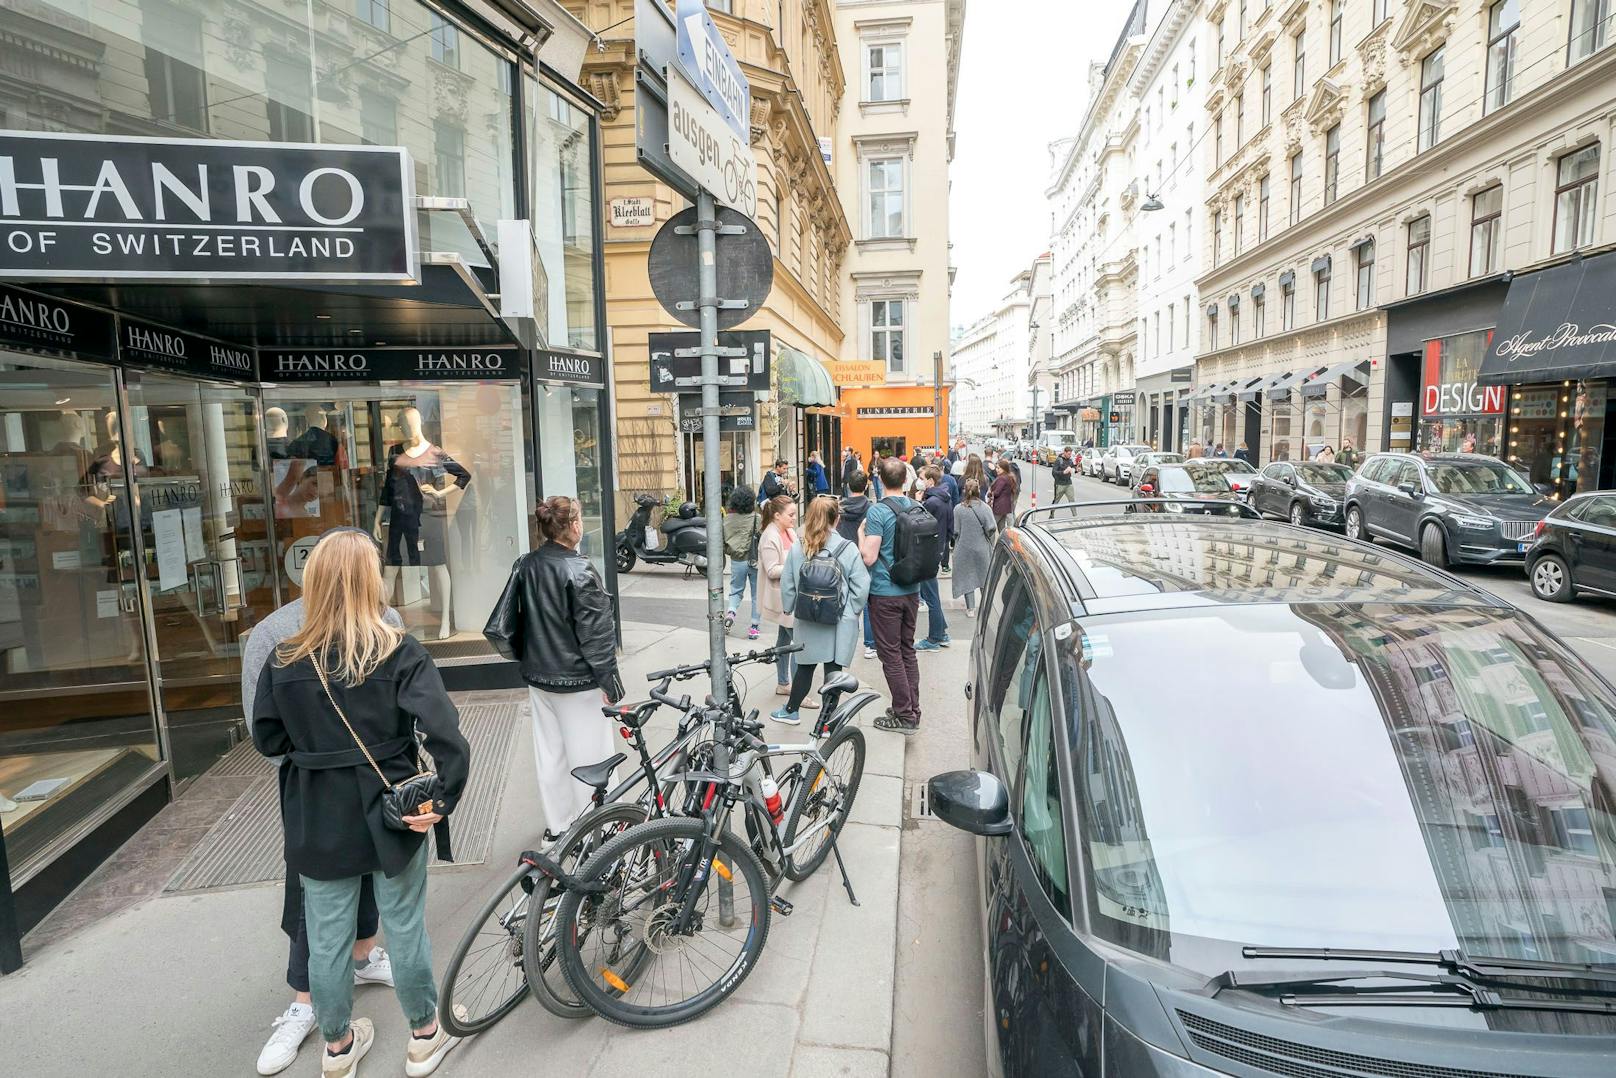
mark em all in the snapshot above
pixel 893 419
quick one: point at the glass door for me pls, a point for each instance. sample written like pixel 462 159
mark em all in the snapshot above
pixel 208 567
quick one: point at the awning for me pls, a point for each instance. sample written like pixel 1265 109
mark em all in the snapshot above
pixel 803 381
pixel 1280 387
pixel 1200 392
pixel 1557 323
pixel 1251 391
pixel 1318 383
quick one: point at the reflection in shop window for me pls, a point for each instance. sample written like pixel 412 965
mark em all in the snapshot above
pixel 445 40
pixel 448 141
pixel 289 103
pixel 173 64
pixel 378 119
pixel 564 214
pixel 373 12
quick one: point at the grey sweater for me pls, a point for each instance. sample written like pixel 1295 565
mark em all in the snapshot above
pixel 270 632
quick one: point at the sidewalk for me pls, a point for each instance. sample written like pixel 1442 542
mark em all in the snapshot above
pixel 177 983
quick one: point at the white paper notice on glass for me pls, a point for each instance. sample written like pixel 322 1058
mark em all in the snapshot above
pixel 169 539
pixel 106 604
pixel 192 519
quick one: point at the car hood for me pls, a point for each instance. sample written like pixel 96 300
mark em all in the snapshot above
pixel 1507 506
pixel 1334 490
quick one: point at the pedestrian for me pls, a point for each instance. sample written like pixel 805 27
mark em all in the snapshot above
pixel 779 534
pixel 850 464
pixel 874 472
pixel 741 530
pixel 1348 455
pixel 908 477
pixel 556 619
pixel 1220 451
pixel 1195 451
pixel 854 505
pixel 345 698
pixel 935 500
pixel 824 643
pixel 818 482
pixel 1327 455
pixel 1061 470
pixel 775 484
pixel 893 606
pixel 974 525
pixel 371 964
pixel 1243 453
pixel 1002 495
pixel 975 469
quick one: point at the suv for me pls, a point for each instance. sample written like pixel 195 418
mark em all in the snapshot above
pixel 1238 787
pixel 1575 549
pixel 1117 463
pixel 1454 508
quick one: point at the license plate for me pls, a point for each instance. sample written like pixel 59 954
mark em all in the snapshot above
pixel 1521 548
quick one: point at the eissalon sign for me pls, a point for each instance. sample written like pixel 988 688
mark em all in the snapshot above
pixel 99 207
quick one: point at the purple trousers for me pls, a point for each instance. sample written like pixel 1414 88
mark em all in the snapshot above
pixel 894 618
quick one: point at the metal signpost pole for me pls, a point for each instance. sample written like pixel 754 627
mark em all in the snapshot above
pixel 707 304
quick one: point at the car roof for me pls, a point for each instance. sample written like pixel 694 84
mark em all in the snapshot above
pixel 1115 563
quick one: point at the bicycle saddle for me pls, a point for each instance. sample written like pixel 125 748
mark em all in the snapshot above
pixel 839 682
pixel 632 717
pixel 598 775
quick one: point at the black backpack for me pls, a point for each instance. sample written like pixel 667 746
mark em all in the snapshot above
pixel 917 545
pixel 821 588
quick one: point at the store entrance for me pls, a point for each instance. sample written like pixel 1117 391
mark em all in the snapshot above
pixel 207 567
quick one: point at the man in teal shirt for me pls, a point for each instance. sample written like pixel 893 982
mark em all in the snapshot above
pixel 893 607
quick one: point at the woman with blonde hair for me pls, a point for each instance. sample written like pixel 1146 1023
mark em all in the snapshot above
pixel 344 699
pixel 823 643
pixel 779 536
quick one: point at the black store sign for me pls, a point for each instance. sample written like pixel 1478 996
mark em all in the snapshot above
pixel 389 364
pixel 572 368
pixel 144 344
pixel 30 322
pixel 99 207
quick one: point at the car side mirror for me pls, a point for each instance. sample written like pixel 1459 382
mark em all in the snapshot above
pixel 1146 488
pixel 1410 489
pixel 973 801
pixel 1543 488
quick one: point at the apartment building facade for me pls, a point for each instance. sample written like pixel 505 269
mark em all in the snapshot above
pixel 1398 196
pixel 991 359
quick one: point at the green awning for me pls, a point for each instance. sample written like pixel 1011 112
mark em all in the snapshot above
pixel 803 381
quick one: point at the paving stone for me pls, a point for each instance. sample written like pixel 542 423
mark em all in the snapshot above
pixel 735 1037
pixel 883 749
pixel 880 801
pixel 818 1061
pixel 849 1000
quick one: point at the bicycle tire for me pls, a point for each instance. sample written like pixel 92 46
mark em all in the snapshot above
pixel 798 870
pixel 613 1004
pixel 462 1022
pixel 538 945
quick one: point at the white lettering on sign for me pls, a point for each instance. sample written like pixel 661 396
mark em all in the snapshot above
pixel 34 314
pixel 459 361
pixel 571 366
pixel 235 359
pixel 700 143
pixel 320 363
pixel 1569 335
pixel 918 410
pixel 1463 398
pixel 156 343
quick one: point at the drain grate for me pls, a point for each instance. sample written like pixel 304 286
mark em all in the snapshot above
pixel 917 805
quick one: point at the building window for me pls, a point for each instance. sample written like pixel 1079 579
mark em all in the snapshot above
pixel 373 12
pixel 1332 163
pixel 1419 245
pixel 378 119
pixel 1172 319
pixel 1366 275
pixel 1321 294
pixel 1486 210
pixel 1240 21
pixel 1217 236
pixel 1172 243
pixel 1259 315
pixel 1503 19
pixel 1383 11
pixel 1375 154
pixel 1296 187
pixel 1234 323
pixel 1267 93
pixel 287 100
pixel 1217 140
pixel 1239 221
pixel 1262 208
pixel 178 90
pixel 1575 191
pixel 885 180
pixel 1212 328
pixel 1287 305
pixel 449 146
pixel 1298 66
pixel 1239 120
pixel 1189 244
pixel 1338 11
pixel 886 333
pixel 1220 45
pixel 886 72
pixel 1174 87
pixel 1155 327
pixel 1590 23
pixel 445 41
pixel 1187 306
pixel 1431 99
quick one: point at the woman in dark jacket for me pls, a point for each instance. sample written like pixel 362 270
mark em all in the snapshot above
pixel 561 629
pixel 338 724
pixel 1003 495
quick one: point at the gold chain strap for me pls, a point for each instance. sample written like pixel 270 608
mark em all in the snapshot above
pixel 328 695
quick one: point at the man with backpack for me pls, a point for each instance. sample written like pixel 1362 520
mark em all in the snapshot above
pixel 1062 470
pixel 901 545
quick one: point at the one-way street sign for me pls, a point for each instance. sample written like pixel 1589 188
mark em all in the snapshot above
pixel 705 57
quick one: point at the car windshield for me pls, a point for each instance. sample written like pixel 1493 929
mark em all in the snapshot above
pixel 1192 481
pixel 1227 464
pixel 1320 475
pixel 1132 450
pixel 1397 776
pixel 1477 477
pixel 1166 458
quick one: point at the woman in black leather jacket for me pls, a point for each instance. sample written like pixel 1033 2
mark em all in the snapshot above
pixel 560 628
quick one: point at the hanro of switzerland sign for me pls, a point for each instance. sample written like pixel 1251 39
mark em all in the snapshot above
pixel 390 364
pixel 143 344
pixel 106 207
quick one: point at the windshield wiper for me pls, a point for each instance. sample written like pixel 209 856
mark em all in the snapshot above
pixel 1454 960
pixel 1439 990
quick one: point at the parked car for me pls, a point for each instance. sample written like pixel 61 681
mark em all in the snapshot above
pixel 1454 508
pixel 1239 473
pixel 1301 491
pixel 1254 801
pixel 1574 549
pixel 1118 459
pixel 1190 487
pixel 1090 462
pixel 1145 460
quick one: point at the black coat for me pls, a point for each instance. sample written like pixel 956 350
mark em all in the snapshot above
pixel 562 630
pixel 940 505
pixel 854 508
pixel 331 799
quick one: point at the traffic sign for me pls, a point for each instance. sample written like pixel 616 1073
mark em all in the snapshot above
pixel 703 146
pixel 730 400
pixel 667 366
pixel 743 262
pixel 737 423
pixel 705 57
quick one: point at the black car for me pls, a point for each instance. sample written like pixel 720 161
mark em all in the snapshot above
pixel 1361 833
pixel 1453 508
pixel 1302 492
pixel 1575 549
pixel 1190 487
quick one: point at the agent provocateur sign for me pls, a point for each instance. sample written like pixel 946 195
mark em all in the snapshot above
pixel 99 207
pixel 389 364
pixel 1526 344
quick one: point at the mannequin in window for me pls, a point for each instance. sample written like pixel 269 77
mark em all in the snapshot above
pixel 107 468
pixel 415 490
pixel 316 443
pixel 275 424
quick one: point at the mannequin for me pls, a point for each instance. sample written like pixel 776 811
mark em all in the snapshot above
pixel 275 425
pixel 316 443
pixel 419 477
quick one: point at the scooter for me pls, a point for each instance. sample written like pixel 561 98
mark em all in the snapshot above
pixel 684 538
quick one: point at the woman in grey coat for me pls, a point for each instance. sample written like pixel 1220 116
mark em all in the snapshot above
pixel 975 531
pixel 830 645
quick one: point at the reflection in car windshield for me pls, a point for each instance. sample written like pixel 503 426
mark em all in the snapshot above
pixel 1477 477
pixel 1226 464
pixel 1394 777
pixel 1193 480
pixel 1324 474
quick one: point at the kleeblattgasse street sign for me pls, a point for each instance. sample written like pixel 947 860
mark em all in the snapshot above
pixel 99 207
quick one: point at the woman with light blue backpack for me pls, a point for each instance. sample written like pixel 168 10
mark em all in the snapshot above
pixel 828 636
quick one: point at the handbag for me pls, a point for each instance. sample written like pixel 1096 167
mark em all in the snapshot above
pixel 418 795
pixel 504 627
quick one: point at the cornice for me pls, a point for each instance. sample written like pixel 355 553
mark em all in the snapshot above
pixel 1425 25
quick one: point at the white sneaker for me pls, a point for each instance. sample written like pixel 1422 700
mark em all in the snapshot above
pixel 869 653
pixel 291 1030
pixel 423 1055
pixel 378 969
pixel 347 1064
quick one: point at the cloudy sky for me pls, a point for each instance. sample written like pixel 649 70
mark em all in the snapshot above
pixel 1023 84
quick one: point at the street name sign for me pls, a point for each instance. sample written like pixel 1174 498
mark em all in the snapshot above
pixel 705 57
pixel 703 146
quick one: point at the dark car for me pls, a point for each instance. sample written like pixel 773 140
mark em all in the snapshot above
pixel 1454 508
pixel 1575 549
pixel 1191 487
pixel 1239 473
pixel 1255 800
pixel 1302 492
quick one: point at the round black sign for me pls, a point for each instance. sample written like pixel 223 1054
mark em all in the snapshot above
pixel 745 267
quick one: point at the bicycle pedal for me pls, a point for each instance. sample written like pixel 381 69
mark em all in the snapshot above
pixel 780 906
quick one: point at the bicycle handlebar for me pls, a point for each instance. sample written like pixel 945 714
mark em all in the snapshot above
pixel 681 673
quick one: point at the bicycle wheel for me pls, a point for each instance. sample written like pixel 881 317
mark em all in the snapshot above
pixel 485 979
pixel 592 831
pixel 687 974
pixel 823 803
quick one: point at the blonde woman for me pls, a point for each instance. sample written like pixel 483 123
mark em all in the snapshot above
pixel 779 535
pixel 828 645
pixel 387 688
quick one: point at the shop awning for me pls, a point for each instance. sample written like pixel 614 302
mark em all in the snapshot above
pixel 1281 387
pixel 1557 323
pixel 1206 392
pixel 1252 390
pixel 804 381
pixel 1318 383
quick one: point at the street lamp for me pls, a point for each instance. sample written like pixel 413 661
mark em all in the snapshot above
pixel 1151 204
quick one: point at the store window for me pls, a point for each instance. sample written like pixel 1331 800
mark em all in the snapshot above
pixel 1456 414
pixel 570 464
pixel 1576 193
pixel 1556 434
pixel 560 134
pixel 1281 414
pixel 1486 228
